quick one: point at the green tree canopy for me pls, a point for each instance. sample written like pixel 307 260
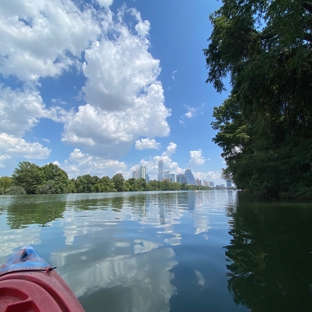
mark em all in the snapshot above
pixel 104 185
pixel 265 126
pixel 29 176
pixel 118 181
pixel 5 183
pixel 86 183
pixel 55 180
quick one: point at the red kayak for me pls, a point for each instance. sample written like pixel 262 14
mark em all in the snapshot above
pixel 29 283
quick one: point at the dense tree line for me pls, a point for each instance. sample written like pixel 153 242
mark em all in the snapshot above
pixel 265 125
pixel 28 178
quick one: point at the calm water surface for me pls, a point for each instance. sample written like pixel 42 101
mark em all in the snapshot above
pixel 168 251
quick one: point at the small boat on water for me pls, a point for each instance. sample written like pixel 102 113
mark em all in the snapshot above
pixel 29 283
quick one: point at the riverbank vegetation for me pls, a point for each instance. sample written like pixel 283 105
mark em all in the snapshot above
pixel 265 125
pixel 28 178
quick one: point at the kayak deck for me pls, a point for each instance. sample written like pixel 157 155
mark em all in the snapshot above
pixel 28 283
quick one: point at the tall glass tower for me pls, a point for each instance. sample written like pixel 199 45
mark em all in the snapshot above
pixel 189 177
pixel 160 170
pixel 142 172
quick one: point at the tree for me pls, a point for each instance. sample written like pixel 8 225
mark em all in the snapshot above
pixel 154 185
pixel 118 180
pixel 5 183
pixel 141 184
pixel 85 183
pixel 130 185
pixel 29 176
pixel 265 126
pixel 56 180
pixel 104 185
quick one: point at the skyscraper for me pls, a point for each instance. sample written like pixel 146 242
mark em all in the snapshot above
pixel 172 177
pixel 147 179
pixel 160 170
pixel 189 177
pixel 142 172
pixel 181 178
pixel 135 174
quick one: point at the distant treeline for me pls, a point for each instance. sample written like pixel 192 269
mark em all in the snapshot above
pixel 29 178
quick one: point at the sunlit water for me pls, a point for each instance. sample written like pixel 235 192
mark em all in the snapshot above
pixel 168 251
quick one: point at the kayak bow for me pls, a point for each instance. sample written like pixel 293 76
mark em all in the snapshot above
pixel 29 283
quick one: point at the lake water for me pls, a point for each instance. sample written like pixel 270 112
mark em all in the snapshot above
pixel 168 251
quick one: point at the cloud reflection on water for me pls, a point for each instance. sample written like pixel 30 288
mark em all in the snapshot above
pixel 124 242
pixel 143 268
pixel 11 240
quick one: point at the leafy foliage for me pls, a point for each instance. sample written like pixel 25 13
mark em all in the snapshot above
pixel 265 126
pixel 29 176
pixel 56 180
pixel 5 184
pixel 118 181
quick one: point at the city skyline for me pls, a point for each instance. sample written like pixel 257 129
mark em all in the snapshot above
pixel 187 177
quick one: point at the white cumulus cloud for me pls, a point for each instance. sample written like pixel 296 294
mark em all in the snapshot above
pixel 80 163
pixel 189 114
pixel 214 175
pixel 146 144
pixel 125 99
pixel 196 158
pixel 40 38
pixel 2 160
pixel 171 148
pixel 21 110
pixel 105 3
pixel 13 146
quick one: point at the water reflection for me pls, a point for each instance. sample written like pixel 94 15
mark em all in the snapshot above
pixel 25 216
pixel 139 271
pixel 270 256
pixel 25 210
pixel 130 251
pixel 11 241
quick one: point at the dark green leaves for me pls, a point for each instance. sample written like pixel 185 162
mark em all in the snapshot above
pixel 264 47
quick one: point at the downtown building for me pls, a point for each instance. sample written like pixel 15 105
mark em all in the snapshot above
pixel 190 180
pixel 135 174
pixel 140 173
pixel 160 170
pixel 172 177
pixel 181 178
pixel 198 182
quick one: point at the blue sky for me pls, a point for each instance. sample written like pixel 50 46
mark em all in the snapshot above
pixel 100 87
